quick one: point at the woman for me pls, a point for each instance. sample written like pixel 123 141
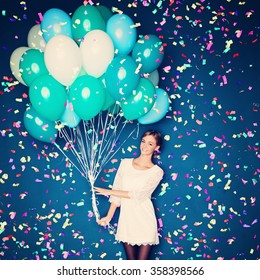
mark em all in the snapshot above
pixel 134 183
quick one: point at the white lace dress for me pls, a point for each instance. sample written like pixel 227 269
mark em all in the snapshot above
pixel 137 224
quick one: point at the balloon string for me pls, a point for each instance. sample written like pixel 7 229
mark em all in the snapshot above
pixel 90 178
pixel 71 147
pixel 94 147
pixel 65 155
pixel 94 201
pixel 81 160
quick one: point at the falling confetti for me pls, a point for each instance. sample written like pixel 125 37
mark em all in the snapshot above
pixel 207 204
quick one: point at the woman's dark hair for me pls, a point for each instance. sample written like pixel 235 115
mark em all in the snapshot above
pixel 156 134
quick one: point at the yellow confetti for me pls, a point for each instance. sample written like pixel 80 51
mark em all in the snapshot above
pixel 227 187
pixel 233 211
pixel 66 223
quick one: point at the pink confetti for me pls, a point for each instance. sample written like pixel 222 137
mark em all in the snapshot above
pixel 217 139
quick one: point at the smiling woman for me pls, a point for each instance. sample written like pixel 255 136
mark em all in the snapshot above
pixel 135 181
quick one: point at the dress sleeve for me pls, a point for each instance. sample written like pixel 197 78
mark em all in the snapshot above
pixel 147 190
pixel 117 185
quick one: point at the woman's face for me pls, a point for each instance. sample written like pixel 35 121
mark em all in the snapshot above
pixel 148 145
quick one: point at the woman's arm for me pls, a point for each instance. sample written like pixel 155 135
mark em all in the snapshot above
pixel 106 192
pixel 111 211
pixel 122 194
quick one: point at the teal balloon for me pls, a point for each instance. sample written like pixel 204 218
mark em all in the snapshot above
pixel 48 97
pixel 109 100
pixel 69 117
pixel 87 96
pixel 122 31
pixel 85 19
pixel 140 101
pixel 32 65
pixel 149 52
pixel 159 109
pixel 38 127
pixel 105 12
pixel 55 22
pixel 121 77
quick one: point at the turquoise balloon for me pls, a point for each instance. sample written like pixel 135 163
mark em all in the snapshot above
pixel 85 19
pixel 105 12
pixel 159 109
pixel 48 97
pixel 140 101
pixel 149 52
pixel 122 31
pixel 32 65
pixel 121 77
pixel 69 117
pixel 55 22
pixel 87 96
pixel 38 127
pixel 109 100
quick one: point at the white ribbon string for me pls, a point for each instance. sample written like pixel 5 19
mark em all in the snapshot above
pixel 93 144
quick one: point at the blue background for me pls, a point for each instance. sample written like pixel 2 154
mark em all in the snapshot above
pixel 207 204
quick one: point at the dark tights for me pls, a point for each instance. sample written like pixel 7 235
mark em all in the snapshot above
pixel 137 252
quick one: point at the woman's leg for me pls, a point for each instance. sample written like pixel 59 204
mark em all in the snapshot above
pixel 144 252
pixel 130 251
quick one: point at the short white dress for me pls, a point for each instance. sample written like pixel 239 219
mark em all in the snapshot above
pixel 137 224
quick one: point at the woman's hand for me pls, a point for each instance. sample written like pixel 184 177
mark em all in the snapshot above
pixel 102 191
pixel 104 221
pixel 107 192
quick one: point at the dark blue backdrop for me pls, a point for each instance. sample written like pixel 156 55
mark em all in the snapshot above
pixel 208 202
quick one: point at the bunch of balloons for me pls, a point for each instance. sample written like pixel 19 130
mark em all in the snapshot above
pixel 77 67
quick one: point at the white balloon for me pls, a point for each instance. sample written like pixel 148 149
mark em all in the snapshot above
pixel 35 39
pixel 97 50
pixel 15 63
pixel 63 59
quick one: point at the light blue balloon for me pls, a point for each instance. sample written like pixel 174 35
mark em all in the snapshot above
pixel 159 109
pixel 122 31
pixel 69 117
pixel 55 22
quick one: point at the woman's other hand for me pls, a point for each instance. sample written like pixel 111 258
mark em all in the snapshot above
pixel 104 221
pixel 102 191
